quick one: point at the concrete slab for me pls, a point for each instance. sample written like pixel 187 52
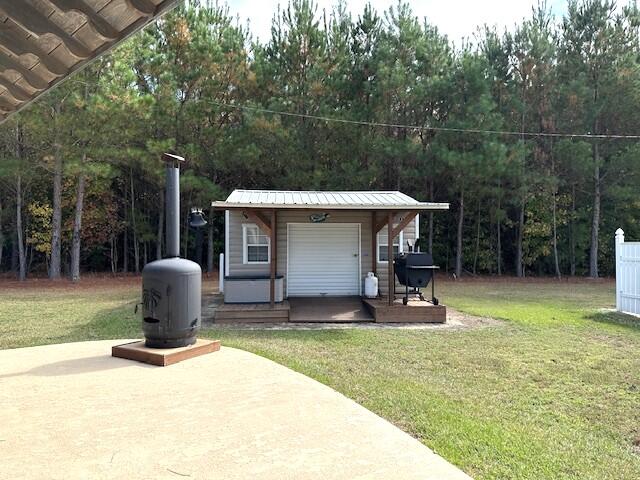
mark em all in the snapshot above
pixel 72 411
pixel 328 309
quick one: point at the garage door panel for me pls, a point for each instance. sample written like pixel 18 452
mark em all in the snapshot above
pixel 323 259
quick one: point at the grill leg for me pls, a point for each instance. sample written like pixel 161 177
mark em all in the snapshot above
pixel 434 300
pixel 406 286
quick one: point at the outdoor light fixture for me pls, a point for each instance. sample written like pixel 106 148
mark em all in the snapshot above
pixel 318 217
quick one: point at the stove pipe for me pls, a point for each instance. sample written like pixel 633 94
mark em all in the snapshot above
pixel 172 196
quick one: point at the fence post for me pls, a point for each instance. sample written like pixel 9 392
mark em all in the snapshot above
pixel 619 280
pixel 221 274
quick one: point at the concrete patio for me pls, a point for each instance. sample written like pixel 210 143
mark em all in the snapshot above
pixel 72 411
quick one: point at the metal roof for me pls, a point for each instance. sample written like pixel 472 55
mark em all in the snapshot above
pixel 42 42
pixel 354 200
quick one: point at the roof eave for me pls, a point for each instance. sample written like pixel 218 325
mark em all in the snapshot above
pixel 93 54
pixel 421 207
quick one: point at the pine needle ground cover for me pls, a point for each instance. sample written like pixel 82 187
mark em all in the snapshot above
pixel 552 392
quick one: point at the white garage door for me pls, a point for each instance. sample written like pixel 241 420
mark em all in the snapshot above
pixel 324 259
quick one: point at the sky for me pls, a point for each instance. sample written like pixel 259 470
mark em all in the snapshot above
pixel 457 19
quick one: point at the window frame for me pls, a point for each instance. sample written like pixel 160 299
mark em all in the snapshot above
pixel 246 245
pixel 386 244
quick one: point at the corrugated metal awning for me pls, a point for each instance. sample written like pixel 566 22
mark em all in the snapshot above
pixel 354 200
pixel 42 42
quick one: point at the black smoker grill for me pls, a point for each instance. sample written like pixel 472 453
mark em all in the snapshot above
pixel 415 270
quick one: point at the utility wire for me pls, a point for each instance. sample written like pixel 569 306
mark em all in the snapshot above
pixel 426 128
pixel 602 136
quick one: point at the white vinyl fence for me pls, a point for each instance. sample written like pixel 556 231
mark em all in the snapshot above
pixel 627 275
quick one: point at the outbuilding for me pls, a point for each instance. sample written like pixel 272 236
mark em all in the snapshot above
pixel 286 244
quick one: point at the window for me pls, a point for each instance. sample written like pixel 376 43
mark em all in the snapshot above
pixel 382 245
pixel 256 246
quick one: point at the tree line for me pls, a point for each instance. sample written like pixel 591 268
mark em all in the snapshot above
pixel 476 124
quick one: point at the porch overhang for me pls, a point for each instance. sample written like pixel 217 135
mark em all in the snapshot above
pixel 420 207
pixel 391 209
pixel 324 200
pixel 42 43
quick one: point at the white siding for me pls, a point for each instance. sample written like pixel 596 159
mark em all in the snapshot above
pixel 234 253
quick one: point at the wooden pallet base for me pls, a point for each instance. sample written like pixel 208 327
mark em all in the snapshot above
pixel 414 312
pixel 163 357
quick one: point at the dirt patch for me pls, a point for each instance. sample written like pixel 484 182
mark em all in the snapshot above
pixel 635 446
pixel 466 320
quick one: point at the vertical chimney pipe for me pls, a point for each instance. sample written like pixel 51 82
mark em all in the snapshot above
pixel 172 198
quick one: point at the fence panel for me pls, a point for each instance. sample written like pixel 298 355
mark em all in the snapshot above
pixel 627 275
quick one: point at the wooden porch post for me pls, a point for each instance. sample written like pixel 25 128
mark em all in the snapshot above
pixel 374 245
pixel 274 249
pixel 391 282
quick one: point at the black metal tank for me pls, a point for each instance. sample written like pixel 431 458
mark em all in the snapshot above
pixel 171 287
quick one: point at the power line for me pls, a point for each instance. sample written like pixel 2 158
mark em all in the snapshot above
pixel 426 128
pixel 419 127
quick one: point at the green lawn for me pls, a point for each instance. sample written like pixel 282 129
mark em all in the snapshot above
pixel 554 392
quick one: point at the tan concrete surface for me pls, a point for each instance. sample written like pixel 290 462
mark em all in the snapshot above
pixel 72 411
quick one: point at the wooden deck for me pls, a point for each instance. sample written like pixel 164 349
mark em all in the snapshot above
pixel 331 310
pixel 328 310
pixel 252 313
pixel 415 311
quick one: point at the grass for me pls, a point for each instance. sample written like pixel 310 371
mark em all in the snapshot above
pixel 554 392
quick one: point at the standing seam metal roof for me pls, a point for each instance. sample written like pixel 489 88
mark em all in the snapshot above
pixel 309 199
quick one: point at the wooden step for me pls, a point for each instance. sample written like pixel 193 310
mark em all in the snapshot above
pixel 251 314
pixel 251 320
